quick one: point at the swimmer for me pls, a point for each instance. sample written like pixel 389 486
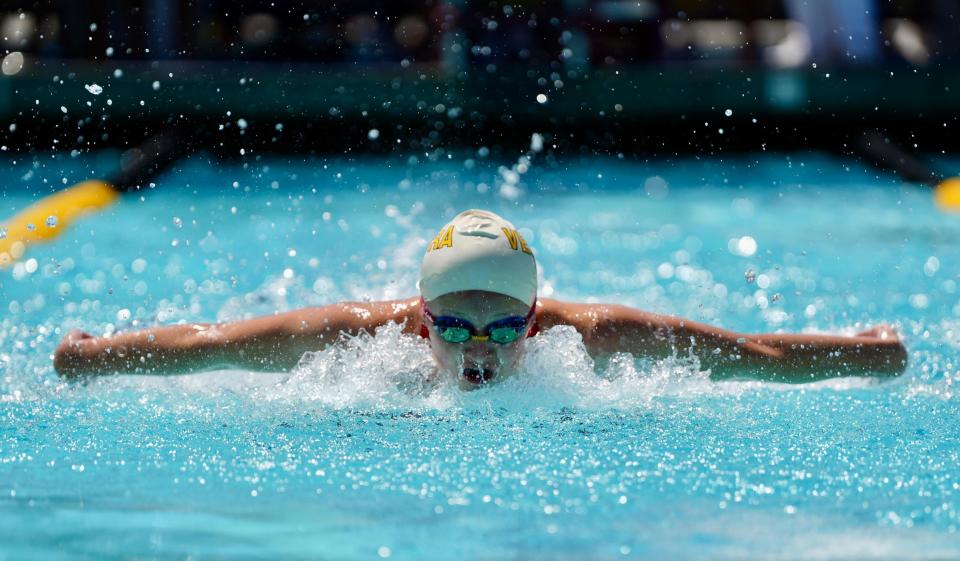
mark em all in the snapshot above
pixel 477 307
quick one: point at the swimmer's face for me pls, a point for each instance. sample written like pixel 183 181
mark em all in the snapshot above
pixel 473 362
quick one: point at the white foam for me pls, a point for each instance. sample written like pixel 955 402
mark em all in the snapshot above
pixel 389 369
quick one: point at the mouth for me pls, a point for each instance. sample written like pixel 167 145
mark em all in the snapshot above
pixel 478 376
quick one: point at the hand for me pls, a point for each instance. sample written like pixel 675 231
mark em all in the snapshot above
pixel 888 348
pixel 73 353
pixel 882 332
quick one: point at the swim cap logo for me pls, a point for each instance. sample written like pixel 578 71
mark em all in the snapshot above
pixel 443 239
pixel 514 239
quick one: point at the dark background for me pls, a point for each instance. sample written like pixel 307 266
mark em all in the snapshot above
pixel 613 77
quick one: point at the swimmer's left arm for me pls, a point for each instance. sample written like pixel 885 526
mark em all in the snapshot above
pixel 775 357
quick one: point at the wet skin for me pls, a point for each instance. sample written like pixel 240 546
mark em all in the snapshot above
pixel 474 362
pixel 277 342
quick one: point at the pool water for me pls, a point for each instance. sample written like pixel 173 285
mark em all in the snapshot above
pixel 351 456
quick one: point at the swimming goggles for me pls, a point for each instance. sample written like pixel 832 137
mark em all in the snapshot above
pixel 458 330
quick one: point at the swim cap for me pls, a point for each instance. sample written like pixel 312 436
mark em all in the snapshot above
pixel 479 250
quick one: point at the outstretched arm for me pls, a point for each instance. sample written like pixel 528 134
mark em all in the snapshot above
pixel 266 343
pixel 784 358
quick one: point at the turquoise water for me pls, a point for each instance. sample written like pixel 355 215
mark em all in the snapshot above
pixel 348 457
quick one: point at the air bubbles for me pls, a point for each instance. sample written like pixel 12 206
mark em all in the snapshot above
pixel 63 109
pixel 728 113
pixel 656 187
pixel 373 134
pixel 12 63
pixel 51 221
pixel 95 89
pixel 3 233
pixel 155 85
pixel 750 275
pixel 242 124
pixel 123 315
pixel 541 98
pixel 177 222
pixel 744 247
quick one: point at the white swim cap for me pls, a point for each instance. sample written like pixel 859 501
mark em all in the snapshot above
pixel 479 250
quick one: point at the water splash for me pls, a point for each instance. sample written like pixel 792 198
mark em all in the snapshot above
pixel 381 370
pixel 389 370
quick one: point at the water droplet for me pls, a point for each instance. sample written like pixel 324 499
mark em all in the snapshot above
pixel 746 246
pixel 95 89
pixel 536 142
pixel 63 108
pixel 52 221
pixel 541 98
pixel 728 112
pixel 750 276
pixel 156 85
pixel 373 134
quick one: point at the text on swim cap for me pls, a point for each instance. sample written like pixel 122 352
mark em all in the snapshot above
pixel 445 239
pixel 514 239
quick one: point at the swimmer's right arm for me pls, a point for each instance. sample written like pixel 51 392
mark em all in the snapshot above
pixel 268 343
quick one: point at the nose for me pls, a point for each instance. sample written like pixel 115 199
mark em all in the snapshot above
pixel 478 351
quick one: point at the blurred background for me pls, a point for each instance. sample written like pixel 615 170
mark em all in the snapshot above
pixel 592 76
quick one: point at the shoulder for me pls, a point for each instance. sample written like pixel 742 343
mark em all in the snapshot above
pixel 581 316
pixel 359 315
